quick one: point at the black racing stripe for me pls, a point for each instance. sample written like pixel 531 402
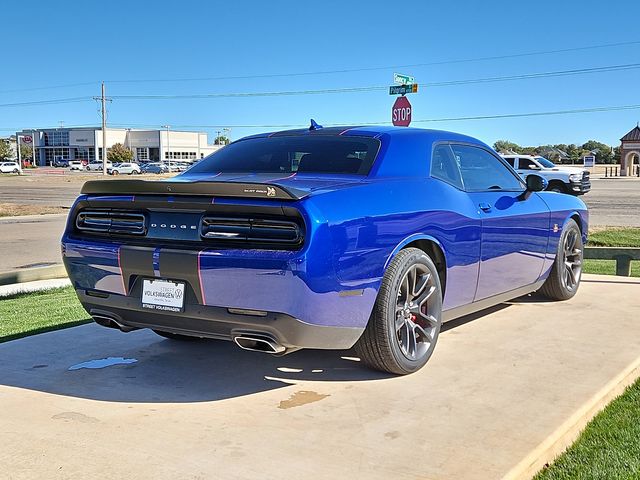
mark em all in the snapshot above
pixel 135 261
pixel 180 265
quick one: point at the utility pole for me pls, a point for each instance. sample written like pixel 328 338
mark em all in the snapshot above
pixel 104 132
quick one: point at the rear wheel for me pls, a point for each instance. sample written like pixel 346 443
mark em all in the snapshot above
pixel 564 279
pixel 404 325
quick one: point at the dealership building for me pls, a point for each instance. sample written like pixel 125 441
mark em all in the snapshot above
pixel 86 144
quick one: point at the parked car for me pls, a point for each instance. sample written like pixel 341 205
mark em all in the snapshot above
pixel 124 168
pixel 97 165
pixel 154 168
pixel 324 238
pixel 561 179
pixel 60 162
pixel 76 165
pixel 9 167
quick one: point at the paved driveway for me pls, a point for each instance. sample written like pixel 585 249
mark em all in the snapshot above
pixel 498 385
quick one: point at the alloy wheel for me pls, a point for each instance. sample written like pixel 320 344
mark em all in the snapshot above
pixel 415 325
pixel 572 253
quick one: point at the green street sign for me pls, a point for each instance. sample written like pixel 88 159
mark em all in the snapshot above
pixel 401 79
pixel 403 89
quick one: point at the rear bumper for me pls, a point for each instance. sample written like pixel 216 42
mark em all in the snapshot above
pixel 216 322
pixel 306 304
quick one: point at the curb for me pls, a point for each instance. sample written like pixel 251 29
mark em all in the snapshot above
pixel 33 274
pixel 22 218
pixel 565 435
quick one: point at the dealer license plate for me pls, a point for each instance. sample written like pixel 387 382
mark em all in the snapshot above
pixel 163 295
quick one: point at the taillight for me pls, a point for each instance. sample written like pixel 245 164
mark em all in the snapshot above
pixel 251 230
pixel 123 223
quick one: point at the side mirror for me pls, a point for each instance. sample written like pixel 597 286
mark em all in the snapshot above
pixel 536 183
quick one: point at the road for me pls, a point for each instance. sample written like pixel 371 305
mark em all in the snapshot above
pixel 614 202
pixel 34 240
pixel 497 387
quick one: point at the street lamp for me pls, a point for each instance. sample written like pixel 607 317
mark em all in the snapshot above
pixel 168 154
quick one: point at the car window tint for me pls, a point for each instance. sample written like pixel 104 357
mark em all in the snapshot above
pixel 444 166
pixel 286 155
pixel 511 161
pixel 527 164
pixel 483 171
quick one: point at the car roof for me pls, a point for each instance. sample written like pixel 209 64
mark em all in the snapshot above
pixel 366 131
pixel 396 158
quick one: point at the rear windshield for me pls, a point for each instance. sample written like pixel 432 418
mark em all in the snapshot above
pixel 287 155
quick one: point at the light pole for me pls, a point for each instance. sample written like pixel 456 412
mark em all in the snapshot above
pixel 168 146
pixel 33 148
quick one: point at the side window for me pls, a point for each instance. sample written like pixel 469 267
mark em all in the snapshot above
pixel 482 171
pixel 528 164
pixel 445 167
pixel 511 161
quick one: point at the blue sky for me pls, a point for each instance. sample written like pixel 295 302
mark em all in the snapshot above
pixel 70 43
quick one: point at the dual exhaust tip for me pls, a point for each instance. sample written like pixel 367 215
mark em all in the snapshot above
pixel 246 341
pixel 259 343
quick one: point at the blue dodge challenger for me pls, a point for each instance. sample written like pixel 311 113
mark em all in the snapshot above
pixel 326 238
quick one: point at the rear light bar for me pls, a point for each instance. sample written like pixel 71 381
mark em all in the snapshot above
pixel 111 222
pixel 251 230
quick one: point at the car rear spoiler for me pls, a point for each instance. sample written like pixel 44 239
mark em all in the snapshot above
pixel 216 189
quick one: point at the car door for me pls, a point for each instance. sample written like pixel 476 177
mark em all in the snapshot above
pixel 515 227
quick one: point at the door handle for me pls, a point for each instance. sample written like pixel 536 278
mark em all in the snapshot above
pixel 485 207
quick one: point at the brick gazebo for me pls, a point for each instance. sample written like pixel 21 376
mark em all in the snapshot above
pixel 630 152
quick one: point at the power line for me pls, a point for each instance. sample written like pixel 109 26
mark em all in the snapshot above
pixel 337 71
pixel 559 73
pixel 55 101
pixel 30 89
pixel 371 69
pixel 426 120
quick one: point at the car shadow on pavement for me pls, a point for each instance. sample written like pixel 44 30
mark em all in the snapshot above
pixel 164 370
pixel 151 369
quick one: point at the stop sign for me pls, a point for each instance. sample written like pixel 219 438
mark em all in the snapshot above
pixel 401 112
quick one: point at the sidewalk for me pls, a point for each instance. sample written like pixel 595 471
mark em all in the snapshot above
pixel 503 393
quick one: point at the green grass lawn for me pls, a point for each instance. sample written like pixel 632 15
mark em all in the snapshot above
pixel 29 313
pixel 608 448
pixel 612 237
pixel 615 237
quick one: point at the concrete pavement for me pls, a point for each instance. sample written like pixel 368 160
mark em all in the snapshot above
pixel 499 386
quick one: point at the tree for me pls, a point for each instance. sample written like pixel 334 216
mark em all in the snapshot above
pixel 119 153
pixel 221 140
pixel 26 153
pixel 602 152
pixel 506 146
pixel 6 152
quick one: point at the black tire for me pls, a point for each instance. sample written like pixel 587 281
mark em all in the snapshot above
pixel 382 344
pixel 557 187
pixel 176 336
pixel 15 170
pixel 564 279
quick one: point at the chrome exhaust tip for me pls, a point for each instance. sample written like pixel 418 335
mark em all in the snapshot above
pixel 258 344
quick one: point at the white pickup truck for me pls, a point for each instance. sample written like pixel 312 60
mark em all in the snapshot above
pixel 573 180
